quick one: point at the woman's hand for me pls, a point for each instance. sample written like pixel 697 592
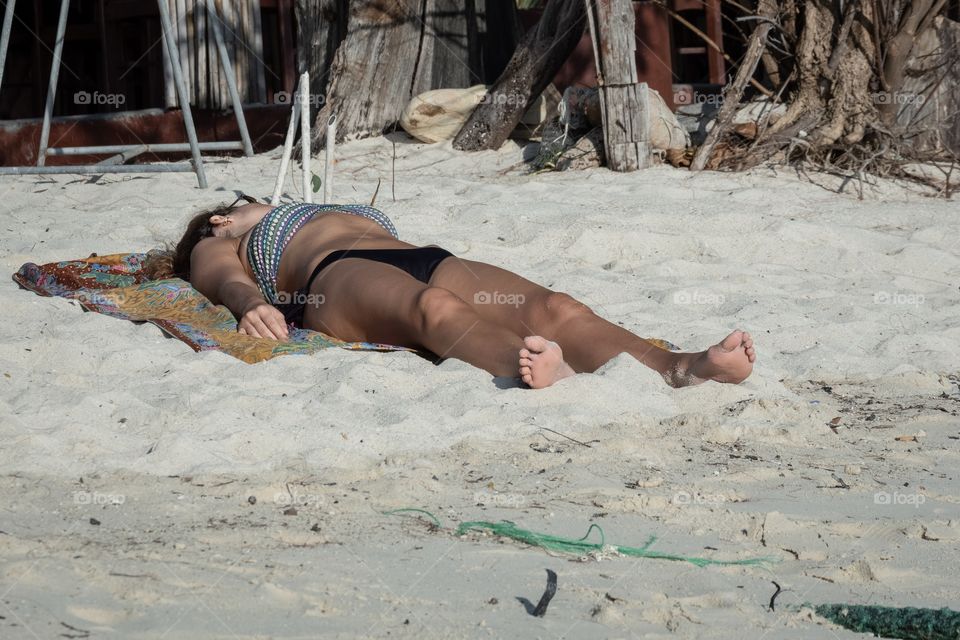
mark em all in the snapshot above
pixel 262 320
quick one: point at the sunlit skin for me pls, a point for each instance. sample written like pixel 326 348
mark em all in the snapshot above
pixel 527 331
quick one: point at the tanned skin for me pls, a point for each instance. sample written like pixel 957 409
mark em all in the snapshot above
pixel 472 311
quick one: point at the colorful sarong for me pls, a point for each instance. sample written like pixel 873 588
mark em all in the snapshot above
pixel 115 286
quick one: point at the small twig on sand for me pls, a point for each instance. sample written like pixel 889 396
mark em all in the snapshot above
pixel 568 437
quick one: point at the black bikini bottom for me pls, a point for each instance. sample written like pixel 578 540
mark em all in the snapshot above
pixel 419 262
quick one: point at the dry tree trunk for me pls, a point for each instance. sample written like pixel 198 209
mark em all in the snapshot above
pixel 834 58
pixel 372 71
pixel 846 72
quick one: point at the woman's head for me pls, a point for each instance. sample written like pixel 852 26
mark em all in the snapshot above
pixel 225 221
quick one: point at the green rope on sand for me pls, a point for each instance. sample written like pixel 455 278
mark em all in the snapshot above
pixel 436 522
pixel 580 546
pixel 907 623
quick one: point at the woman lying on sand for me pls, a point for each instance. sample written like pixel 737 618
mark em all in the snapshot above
pixel 341 269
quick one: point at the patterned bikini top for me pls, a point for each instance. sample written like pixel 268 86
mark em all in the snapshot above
pixel 274 232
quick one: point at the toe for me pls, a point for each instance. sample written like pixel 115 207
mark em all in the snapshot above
pixel 732 341
pixel 528 379
pixel 525 362
pixel 525 372
pixel 535 344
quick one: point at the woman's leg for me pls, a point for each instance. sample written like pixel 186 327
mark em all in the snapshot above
pixel 586 340
pixel 364 300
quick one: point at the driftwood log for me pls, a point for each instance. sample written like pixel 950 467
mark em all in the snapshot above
pixel 538 57
pixel 623 100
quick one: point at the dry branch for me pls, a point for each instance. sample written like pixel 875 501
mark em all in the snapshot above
pixel 734 92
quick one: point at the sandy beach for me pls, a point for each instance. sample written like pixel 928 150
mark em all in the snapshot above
pixel 148 491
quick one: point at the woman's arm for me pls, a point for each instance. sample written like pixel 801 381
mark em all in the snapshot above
pixel 217 273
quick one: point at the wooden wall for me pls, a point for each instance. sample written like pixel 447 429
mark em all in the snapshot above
pixel 242 33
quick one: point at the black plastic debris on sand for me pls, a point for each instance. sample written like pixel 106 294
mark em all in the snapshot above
pixel 541 609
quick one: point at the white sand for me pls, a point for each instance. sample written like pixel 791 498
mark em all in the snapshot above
pixel 853 305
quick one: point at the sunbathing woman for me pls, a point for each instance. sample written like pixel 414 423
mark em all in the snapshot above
pixel 341 269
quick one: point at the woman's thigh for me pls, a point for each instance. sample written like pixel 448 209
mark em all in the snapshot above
pixel 497 295
pixel 358 299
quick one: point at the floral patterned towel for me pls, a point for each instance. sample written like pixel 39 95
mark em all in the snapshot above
pixel 114 285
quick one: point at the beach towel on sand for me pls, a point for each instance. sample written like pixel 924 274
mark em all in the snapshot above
pixel 114 285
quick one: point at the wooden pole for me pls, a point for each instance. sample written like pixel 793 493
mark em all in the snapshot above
pixel 52 86
pixel 229 75
pixel 182 92
pixel 287 151
pixel 202 49
pixel 623 100
pixel 258 84
pixel 304 98
pixel 328 163
pixel 5 37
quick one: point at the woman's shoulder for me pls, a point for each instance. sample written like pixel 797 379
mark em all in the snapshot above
pixel 213 246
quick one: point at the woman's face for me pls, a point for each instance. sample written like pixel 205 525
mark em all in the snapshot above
pixel 240 220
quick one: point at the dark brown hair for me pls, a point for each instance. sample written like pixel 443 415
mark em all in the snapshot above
pixel 174 261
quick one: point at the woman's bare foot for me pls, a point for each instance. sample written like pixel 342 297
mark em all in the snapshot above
pixel 541 363
pixel 731 360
